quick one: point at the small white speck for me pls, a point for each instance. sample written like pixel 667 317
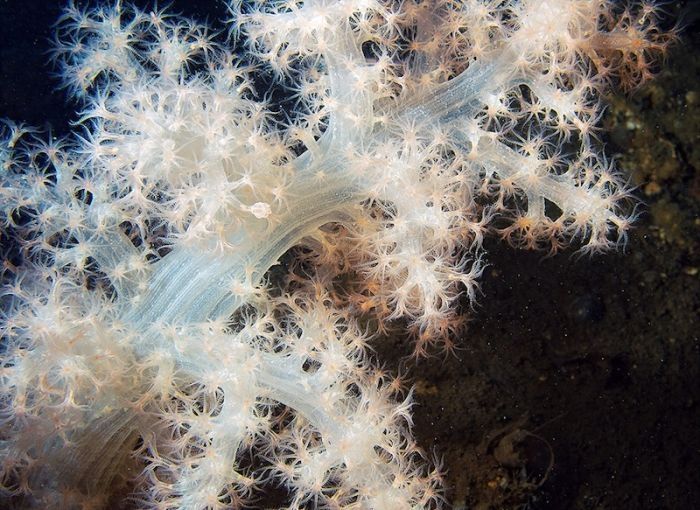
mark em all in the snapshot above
pixel 260 210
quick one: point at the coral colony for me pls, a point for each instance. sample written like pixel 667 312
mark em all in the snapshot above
pixel 146 355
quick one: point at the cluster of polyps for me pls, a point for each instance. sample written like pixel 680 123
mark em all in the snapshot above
pixel 385 138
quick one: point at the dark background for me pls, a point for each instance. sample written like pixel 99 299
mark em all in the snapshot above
pixel 28 90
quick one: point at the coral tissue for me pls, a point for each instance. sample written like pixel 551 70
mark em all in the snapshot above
pixel 145 356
